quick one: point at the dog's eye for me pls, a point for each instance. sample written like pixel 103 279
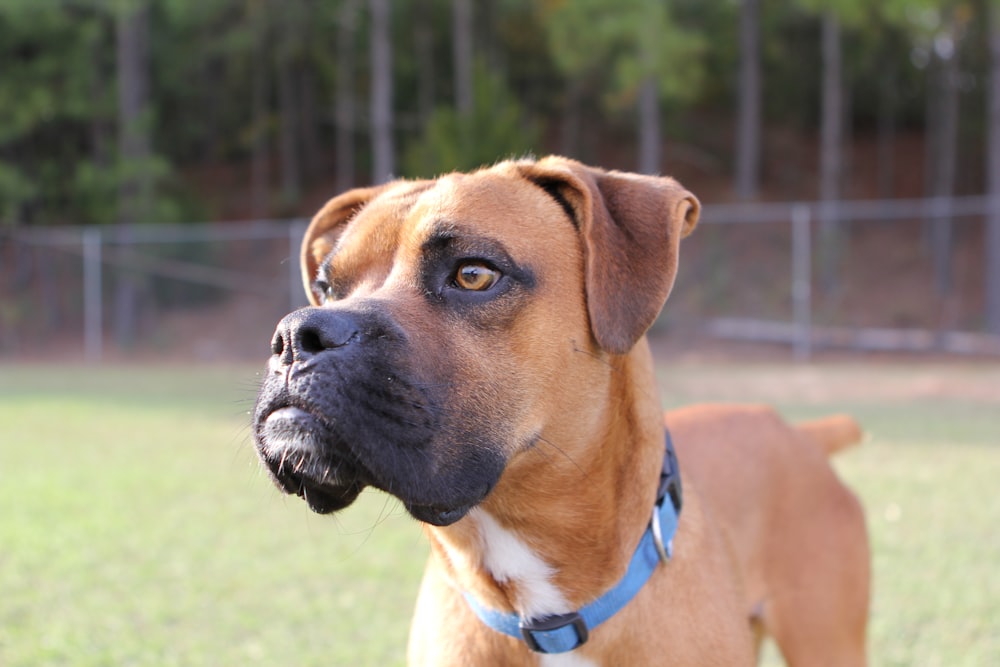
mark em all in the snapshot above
pixel 323 290
pixel 475 277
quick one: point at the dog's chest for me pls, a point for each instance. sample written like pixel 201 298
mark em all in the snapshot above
pixel 510 561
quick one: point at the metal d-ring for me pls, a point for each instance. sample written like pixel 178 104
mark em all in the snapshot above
pixel 663 550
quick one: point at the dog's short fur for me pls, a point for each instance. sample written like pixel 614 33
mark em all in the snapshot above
pixel 476 348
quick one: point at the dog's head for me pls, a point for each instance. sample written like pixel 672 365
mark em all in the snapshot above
pixel 458 321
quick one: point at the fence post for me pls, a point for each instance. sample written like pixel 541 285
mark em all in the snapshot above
pixel 802 281
pixel 93 306
pixel 296 232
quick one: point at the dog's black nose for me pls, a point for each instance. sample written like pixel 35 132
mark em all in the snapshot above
pixel 307 332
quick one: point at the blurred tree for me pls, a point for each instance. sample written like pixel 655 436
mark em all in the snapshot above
pixel 345 103
pixel 462 54
pixel 833 14
pixel 748 125
pixel 260 108
pixel 942 140
pixel 57 117
pixel 639 44
pixel 289 28
pixel 495 128
pixel 308 93
pixel 198 60
pixel 134 149
pixel 383 149
pixel 937 30
pixel 992 241
pixel 888 80
pixel 56 114
pixel 832 110
pixel 885 44
pixel 423 44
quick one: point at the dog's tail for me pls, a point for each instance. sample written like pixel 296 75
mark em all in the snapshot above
pixel 832 433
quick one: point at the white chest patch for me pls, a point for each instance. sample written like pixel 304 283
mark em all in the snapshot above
pixel 509 559
pixel 565 660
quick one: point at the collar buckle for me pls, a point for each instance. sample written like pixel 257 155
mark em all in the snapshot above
pixel 555 634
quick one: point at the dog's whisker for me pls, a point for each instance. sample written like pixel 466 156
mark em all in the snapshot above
pixel 563 452
pixel 383 514
pixel 596 357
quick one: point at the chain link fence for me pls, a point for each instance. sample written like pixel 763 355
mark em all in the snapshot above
pixel 810 276
pixel 201 291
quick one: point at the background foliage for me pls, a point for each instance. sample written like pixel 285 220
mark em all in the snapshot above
pixel 134 111
pixel 241 86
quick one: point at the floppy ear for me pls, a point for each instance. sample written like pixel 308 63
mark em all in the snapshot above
pixel 324 230
pixel 631 227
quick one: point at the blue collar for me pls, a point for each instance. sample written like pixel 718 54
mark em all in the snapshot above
pixel 565 632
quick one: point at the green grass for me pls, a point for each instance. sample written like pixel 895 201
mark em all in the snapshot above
pixel 138 529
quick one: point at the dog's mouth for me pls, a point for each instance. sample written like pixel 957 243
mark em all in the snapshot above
pixel 324 499
pixel 293 445
pixel 438 515
pixel 305 459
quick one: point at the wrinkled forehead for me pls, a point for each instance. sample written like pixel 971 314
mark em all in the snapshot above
pixel 497 205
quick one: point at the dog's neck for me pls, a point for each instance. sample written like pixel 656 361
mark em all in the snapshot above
pixel 561 526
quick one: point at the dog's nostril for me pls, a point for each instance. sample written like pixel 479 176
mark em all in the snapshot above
pixel 310 341
pixel 307 332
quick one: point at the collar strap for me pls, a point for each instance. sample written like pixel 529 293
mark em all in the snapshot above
pixel 565 632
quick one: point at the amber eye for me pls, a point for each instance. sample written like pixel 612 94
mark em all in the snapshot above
pixel 476 277
pixel 323 290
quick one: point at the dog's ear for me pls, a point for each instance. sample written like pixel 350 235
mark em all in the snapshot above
pixel 631 227
pixel 324 230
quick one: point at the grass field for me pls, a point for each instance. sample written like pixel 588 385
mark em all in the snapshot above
pixel 137 529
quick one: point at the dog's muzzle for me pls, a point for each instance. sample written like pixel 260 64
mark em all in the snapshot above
pixel 293 436
pixel 341 408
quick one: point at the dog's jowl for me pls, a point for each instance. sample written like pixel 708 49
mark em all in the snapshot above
pixel 476 347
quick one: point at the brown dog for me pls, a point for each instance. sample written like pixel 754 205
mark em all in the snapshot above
pixel 476 348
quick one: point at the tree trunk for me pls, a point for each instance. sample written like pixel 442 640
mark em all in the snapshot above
pixel 288 145
pixel 344 103
pixel 569 127
pixel 101 130
pixel 133 102
pixel 214 80
pixel 748 127
pixel 491 48
pixel 309 137
pixel 260 176
pixel 132 56
pixel 992 272
pixel 424 45
pixel 650 140
pixel 886 134
pixel 831 151
pixel 462 27
pixel 381 92
pixel 944 138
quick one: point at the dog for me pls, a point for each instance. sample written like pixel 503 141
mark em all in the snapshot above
pixel 476 348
